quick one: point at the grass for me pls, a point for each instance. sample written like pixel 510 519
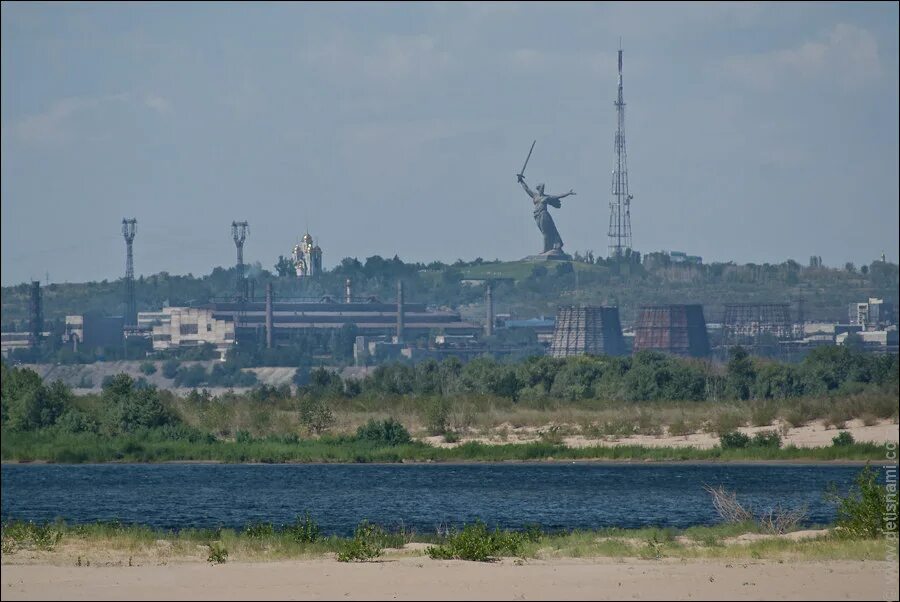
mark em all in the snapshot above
pixel 228 414
pixel 88 448
pixel 118 544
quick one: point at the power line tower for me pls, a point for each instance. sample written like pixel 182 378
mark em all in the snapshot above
pixel 620 206
pixel 129 228
pixel 239 232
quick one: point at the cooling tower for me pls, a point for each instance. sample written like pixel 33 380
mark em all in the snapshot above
pixel 677 329
pixel 587 330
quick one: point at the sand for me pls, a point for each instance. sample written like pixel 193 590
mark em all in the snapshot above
pixel 815 434
pixel 425 579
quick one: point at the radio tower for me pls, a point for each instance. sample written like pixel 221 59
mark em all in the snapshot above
pixel 239 231
pixel 620 206
pixel 129 227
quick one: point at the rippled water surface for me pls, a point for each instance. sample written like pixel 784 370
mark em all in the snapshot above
pixel 420 496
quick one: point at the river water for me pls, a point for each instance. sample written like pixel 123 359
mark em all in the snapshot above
pixel 418 496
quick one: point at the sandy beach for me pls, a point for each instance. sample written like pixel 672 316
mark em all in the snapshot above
pixel 815 434
pixel 425 579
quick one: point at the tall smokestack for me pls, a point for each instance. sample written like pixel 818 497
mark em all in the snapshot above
pixel 35 314
pixel 399 311
pixel 348 292
pixel 489 302
pixel 269 315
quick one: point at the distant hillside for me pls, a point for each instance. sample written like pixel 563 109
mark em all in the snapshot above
pixel 522 288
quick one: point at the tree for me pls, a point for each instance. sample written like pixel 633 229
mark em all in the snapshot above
pixel 129 408
pixel 740 374
pixel 284 267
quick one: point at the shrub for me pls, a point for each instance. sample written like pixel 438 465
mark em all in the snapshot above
pixel 170 368
pixel 680 427
pixel 869 419
pixel 734 440
pixel 796 417
pixel 437 415
pixel 476 543
pixel 315 415
pixel 386 432
pixel 29 535
pixel 367 543
pixel 762 414
pixel 218 554
pixel 863 512
pixel 842 439
pixel 259 530
pixel 148 368
pixel 303 530
pixel 451 437
pixel 766 439
pixel 726 422
pixel 776 520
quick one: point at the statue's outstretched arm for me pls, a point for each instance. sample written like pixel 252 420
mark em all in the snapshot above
pixel 527 189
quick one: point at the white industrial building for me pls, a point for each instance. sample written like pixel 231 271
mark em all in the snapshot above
pixel 175 327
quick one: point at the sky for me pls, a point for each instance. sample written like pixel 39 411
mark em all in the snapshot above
pixel 756 132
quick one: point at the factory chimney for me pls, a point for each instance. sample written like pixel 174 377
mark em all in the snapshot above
pixel 269 315
pixel 489 302
pixel 399 311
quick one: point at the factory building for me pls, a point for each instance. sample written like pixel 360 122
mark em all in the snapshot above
pixel 400 321
pixel 175 327
pixel 85 331
pixel 10 341
pixel 873 314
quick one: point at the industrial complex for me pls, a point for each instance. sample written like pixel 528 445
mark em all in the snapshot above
pixel 399 327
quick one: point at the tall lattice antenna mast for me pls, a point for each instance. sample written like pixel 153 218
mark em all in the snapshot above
pixel 129 228
pixel 239 231
pixel 620 206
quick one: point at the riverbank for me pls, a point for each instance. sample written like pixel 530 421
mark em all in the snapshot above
pixel 153 447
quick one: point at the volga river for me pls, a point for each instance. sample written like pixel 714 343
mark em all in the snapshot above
pixel 420 496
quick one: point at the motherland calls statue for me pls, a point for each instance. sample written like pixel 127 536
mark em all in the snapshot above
pixel 552 240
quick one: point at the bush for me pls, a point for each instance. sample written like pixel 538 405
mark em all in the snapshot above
pixel 29 535
pixel 762 414
pixel 148 368
pixel 476 543
pixel 766 439
pixel 259 530
pixel 170 368
pixel 863 512
pixel 680 427
pixel 734 440
pixel 726 422
pixel 386 432
pixel 437 415
pixel 315 415
pixel 451 437
pixel 303 530
pixel 842 439
pixel 218 554
pixel 367 543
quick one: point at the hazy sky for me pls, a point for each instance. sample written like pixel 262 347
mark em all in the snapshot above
pixel 756 132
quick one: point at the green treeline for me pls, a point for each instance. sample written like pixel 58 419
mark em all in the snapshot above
pixel 131 420
pixel 647 376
